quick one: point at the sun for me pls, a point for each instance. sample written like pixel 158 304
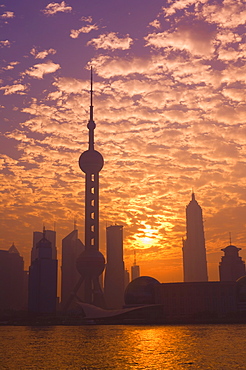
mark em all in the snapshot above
pixel 147 235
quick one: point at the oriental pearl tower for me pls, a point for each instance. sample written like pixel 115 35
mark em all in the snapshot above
pixel 90 263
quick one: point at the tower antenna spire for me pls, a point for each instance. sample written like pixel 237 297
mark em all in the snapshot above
pixel 91 124
pixel 91 106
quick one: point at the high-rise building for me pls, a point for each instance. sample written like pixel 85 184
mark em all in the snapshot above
pixel 135 269
pixel 91 262
pixel 114 274
pixel 194 252
pixel 42 287
pixel 231 267
pixel 12 280
pixel 72 247
pixel 49 235
pixel 126 278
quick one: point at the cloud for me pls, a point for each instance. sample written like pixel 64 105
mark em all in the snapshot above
pixel 5 43
pixel 42 54
pixel 227 14
pixel 39 70
pixel 14 89
pixel 86 29
pixel 155 24
pixel 177 5
pixel 87 19
pixel 54 8
pixel 198 39
pixel 111 41
pixel 11 65
pixel 7 15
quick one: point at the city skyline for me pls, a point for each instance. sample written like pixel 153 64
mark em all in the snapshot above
pixel 169 104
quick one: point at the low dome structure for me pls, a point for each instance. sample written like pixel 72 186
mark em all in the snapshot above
pixel 141 291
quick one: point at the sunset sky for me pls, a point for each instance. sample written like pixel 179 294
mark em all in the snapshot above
pixel 169 105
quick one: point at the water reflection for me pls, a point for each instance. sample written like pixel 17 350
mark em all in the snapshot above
pixel 123 347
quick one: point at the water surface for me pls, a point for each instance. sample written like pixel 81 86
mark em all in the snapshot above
pixel 120 347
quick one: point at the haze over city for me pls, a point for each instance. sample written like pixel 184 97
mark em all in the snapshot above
pixel 169 105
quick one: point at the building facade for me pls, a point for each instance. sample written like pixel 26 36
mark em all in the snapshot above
pixel 42 286
pixel 72 247
pixel 194 251
pixel 231 267
pixel 37 236
pixel 115 270
pixel 13 289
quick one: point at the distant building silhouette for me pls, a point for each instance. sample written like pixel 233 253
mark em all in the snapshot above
pixel 231 266
pixel 194 252
pixel 135 269
pixel 114 274
pixel 49 235
pixel 126 278
pixel 72 247
pixel 13 280
pixel 42 287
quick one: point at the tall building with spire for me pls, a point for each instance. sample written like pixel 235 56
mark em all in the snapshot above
pixel 194 251
pixel 115 270
pixel 37 236
pixel 91 262
pixel 42 287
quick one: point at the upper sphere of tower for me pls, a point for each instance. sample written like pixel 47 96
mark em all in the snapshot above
pixel 91 125
pixel 91 161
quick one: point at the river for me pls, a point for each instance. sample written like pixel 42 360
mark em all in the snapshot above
pixel 123 347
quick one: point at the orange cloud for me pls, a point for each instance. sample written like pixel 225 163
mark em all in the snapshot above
pixel 39 70
pixel 54 8
pixel 111 41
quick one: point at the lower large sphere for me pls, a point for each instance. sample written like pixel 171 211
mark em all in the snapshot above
pixel 91 161
pixel 90 263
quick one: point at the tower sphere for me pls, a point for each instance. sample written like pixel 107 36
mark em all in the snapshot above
pixel 90 263
pixel 91 161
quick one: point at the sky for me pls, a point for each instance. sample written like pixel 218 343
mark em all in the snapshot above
pixel 169 105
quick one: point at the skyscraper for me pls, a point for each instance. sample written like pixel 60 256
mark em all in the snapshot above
pixel 42 288
pixel 49 235
pixel 12 280
pixel 135 269
pixel 114 274
pixel 231 267
pixel 72 247
pixel 91 262
pixel 194 252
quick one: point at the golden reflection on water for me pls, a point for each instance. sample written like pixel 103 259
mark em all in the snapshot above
pixel 218 347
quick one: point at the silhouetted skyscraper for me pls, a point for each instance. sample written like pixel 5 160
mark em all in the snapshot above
pixel 231 267
pixel 194 252
pixel 114 274
pixel 42 288
pixel 12 280
pixel 126 278
pixel 49 235
pixel 91 262
pixel 72 247
pixel 135 269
